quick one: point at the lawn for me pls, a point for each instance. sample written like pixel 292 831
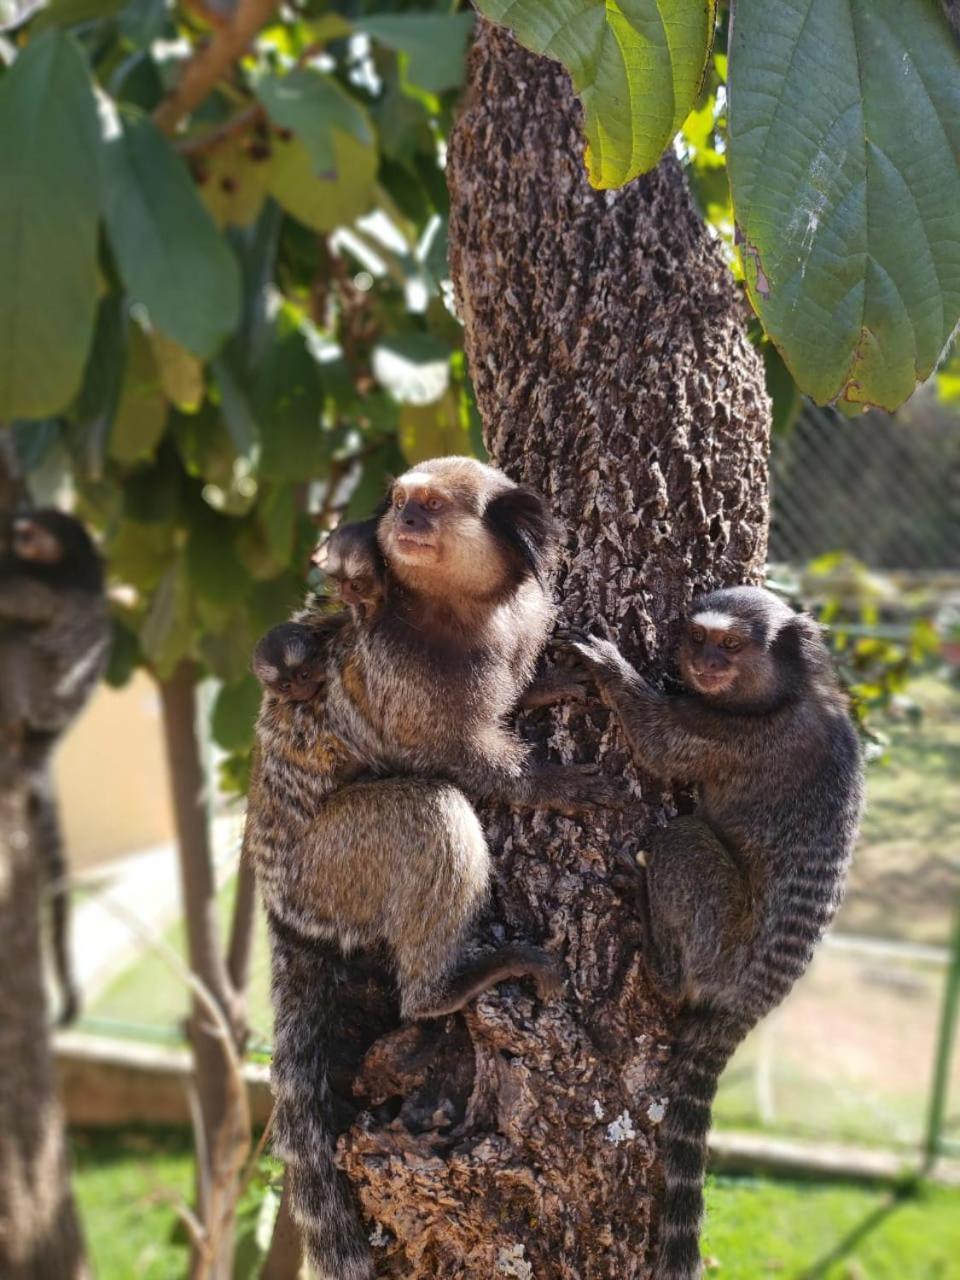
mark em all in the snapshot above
pixel 127 1183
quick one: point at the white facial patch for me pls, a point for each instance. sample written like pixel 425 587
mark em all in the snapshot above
pixel 711 620
pixel 415 480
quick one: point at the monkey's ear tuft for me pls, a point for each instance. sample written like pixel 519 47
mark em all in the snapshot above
pixel 520 521
pixel 800 643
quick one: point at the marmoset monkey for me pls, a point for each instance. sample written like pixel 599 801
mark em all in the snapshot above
pixel 54 646
pixel 735 898
pixel 351 559
pixel 420 688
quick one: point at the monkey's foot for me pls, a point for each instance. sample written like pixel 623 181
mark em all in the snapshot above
pixel 628 877
pixel 553 687
pixel 574 789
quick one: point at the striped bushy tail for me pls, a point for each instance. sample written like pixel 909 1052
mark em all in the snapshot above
pixel 304 1001
pixel 704 1046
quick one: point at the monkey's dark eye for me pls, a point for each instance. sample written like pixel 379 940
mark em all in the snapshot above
pixel 732 644
pixel 398 500
pixel 284 686
pixel 434 504
pixel 698 635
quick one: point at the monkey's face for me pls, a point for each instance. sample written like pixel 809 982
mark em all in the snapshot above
pixel 350 567
pixel 716 651
pixel 288 663
pixel 34 542
pixel 433 531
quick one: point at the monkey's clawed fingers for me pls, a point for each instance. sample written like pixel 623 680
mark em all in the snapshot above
pixel 600 657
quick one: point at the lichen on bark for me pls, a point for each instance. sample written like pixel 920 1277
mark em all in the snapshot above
pixel 608 352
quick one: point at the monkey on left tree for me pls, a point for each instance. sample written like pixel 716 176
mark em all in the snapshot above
pixel 54 646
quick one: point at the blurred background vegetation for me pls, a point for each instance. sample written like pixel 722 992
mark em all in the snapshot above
pixel 281 343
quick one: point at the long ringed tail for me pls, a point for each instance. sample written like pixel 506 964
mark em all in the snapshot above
pixel 304 997
pixel 705 1043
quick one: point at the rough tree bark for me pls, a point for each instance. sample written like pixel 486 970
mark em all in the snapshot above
pixel 40 1236
pixel 612 370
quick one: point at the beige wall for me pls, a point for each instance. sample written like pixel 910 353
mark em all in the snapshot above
pixel 112 776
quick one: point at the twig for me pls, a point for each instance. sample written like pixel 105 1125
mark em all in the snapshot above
pixel 212 60
pixel 199 143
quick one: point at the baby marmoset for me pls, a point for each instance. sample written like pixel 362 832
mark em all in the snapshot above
pixel 418 688
pixel 734 898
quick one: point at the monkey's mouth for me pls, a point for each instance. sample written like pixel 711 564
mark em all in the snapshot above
pixel 413 544
pixel 712 681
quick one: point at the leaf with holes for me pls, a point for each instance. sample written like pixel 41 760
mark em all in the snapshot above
pixel 844 137
pixel 313 105
pixel 636 64
pixel 49 207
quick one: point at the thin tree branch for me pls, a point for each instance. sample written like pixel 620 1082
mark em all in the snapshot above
pixel 211 62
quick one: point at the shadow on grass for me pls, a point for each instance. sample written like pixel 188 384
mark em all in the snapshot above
pixel 855 1237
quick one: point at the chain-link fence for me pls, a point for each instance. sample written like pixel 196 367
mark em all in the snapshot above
pixel 884 489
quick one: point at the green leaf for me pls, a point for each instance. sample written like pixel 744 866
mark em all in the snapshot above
pixel 288 401
pixel 313 105
pixel 172 258
pixel 142 412
pixel 140 554
pixel 331 201
pixel 49 206
pixel 234 713
pixel 124 655
pixel 69 13
pixel 636 64
pixel 844 133
pixel 434 43
pixel 167 631
pixel 181 374
pixel 431 430
pixel 214 570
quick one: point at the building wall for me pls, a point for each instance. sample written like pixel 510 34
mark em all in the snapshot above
pixel 112 777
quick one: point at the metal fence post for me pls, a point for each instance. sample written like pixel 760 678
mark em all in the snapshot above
pixel 946 1035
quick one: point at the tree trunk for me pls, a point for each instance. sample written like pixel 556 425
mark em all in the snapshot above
pixel 608 351
pixel 40 1236
pixel 218 1133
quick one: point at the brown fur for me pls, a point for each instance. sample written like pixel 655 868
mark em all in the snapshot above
pixel 419 686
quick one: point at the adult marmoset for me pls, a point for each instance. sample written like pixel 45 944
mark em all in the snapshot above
pixel 54 646
pixel 418 688
pixel 735 897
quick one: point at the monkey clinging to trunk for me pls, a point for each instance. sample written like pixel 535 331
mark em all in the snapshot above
pixel 417 686
pixel 735 898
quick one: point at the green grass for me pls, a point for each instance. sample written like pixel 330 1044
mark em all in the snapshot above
pixel 808 1231
pixel 127 1183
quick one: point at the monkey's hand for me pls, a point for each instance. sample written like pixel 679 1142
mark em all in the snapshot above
pixel 601 659
pixel 573 789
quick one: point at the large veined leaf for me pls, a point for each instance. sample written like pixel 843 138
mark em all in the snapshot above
pixel 173 260
pixel 49 206
pixel 435 44
pixel 636 64
pixel 313 104
pixel 844 138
